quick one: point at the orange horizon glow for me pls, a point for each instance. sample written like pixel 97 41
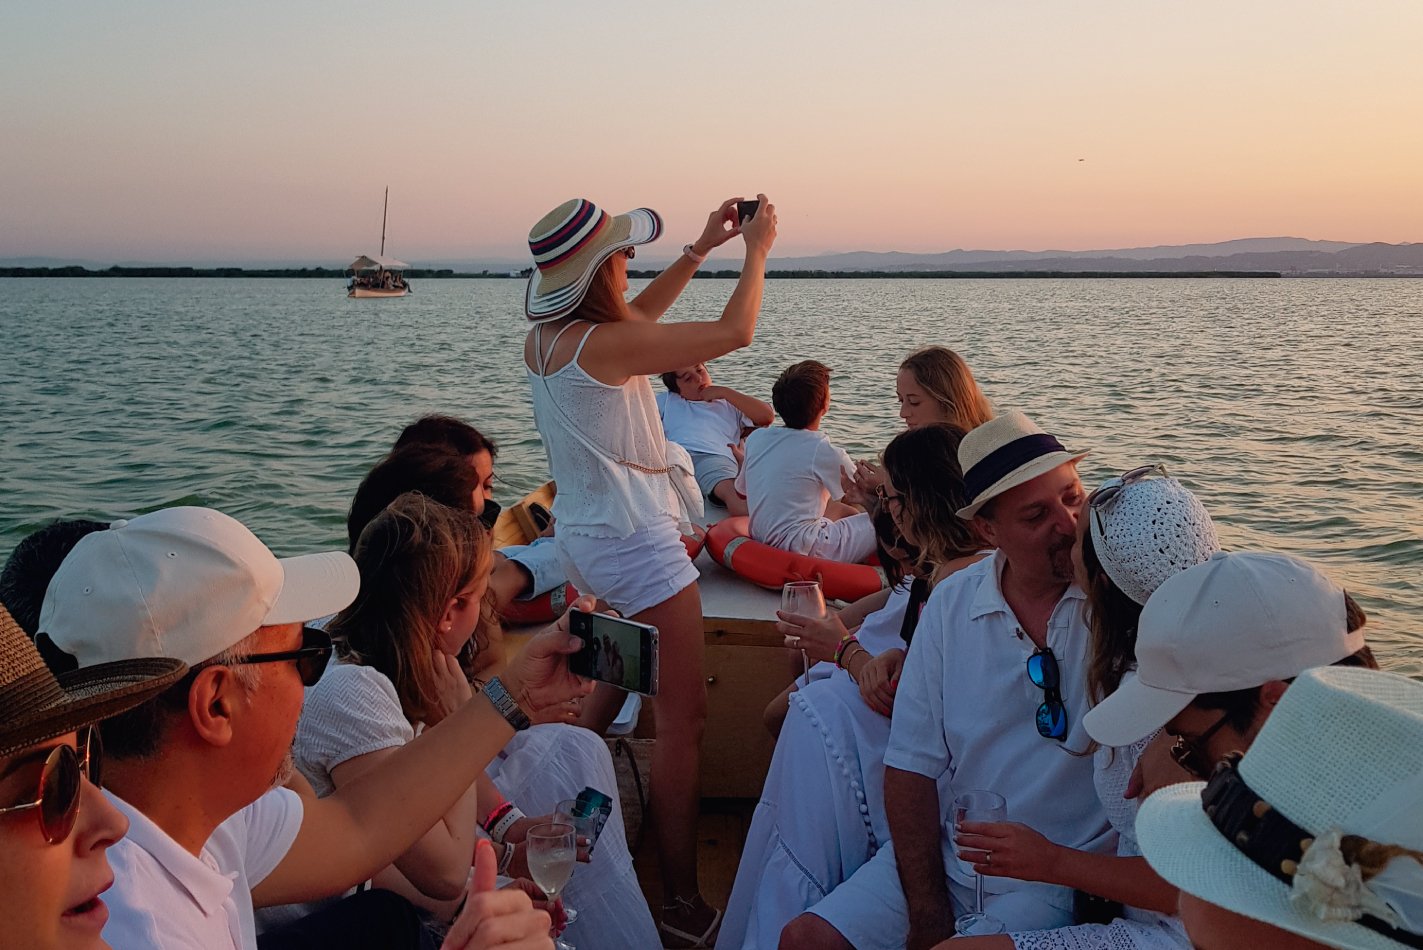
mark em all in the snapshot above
pixel 267 132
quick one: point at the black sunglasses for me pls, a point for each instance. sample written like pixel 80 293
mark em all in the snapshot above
pixel 1191 754
pixel 629 252
pixel 1051 717
pixel 311 657
pixel 885 497
pixel 61 779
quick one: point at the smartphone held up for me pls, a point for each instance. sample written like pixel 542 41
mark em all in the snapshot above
pixel 620 652
pixel 746 210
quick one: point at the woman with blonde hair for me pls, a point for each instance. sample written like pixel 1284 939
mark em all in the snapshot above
pixel 620 497
pixel 934 384
pixel 405 645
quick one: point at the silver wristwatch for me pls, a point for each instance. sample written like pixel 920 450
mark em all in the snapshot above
pixel 504 703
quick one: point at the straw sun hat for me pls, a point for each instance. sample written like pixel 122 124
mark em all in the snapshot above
pixel 569 244
pixel 1003 453
pixel 35 706
pixel 1340 756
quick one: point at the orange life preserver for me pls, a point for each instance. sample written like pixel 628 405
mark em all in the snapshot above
pixel 765 566
pixel 545 608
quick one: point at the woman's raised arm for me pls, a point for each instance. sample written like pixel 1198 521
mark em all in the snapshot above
pixel 619 351
pixel 666 287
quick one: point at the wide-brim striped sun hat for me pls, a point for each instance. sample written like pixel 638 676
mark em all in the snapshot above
pixel 1003 453
pixel 569 244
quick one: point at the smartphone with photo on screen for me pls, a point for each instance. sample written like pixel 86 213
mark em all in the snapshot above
pixel 620 652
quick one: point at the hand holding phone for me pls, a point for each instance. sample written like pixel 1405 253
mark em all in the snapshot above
pixel 616 651
pixel 746 210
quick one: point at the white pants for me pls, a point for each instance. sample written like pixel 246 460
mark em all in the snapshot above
pixel 850 539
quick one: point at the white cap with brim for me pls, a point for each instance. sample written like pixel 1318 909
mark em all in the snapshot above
pixel 569 244
pixel 186 583
pixel 1236 621
pixel 1003 453
pixel 1341 753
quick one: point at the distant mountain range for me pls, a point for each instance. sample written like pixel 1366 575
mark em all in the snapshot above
pixel 1292 256
pixel 1287 255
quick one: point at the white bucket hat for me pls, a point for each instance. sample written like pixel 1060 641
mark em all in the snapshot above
pixel 569 244
pixel 1145 529
pixel 1234 622
pixel 1341 755
pixel 1003 453
pixel 185 583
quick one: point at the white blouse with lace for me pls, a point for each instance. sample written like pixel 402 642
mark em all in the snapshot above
pixel 606 449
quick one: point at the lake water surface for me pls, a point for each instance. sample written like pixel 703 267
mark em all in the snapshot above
pixel 1294 408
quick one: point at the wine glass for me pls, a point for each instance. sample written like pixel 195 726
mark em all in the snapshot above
pixel 805 598
pixel 584 826
pixel 553 850
pixel 977 805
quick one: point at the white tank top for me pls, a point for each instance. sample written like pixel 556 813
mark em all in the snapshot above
pixel 606 449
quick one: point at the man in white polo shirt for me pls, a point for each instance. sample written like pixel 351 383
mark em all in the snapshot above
pixel 969 715
pixel 195 769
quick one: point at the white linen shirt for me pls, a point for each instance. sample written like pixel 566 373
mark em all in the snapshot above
pixel 165 897
pixel 965 705
pixel 710 428
pixel 788 476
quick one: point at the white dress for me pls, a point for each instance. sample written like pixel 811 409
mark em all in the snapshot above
pixel 1139 929
pixel 354 709
pixel 821 813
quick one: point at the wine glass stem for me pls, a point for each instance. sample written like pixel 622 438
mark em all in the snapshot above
pixel 805 667
pixel 978 893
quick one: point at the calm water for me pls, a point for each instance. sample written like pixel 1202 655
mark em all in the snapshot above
pixel 1294 408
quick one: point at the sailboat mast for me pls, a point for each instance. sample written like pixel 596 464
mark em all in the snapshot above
pixel 383 211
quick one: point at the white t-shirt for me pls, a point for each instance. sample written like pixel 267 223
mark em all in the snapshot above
pixel 167 898
pixel 352 710
pixel 706 427
pixel 965 704
pixel 788 476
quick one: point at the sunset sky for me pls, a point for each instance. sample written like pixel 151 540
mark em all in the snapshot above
pixel 199 132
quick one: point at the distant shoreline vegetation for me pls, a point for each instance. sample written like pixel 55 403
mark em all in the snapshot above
pixel 417 273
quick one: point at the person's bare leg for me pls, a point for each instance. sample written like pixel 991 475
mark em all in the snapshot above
pixel 508 580
pixel 809 932
pixel 601 707
pixel 681 710
pixel 725 492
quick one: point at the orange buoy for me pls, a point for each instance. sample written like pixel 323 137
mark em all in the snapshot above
pixel 765 566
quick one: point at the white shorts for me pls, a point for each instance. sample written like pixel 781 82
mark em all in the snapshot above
pixel 632 574
pixel 869 909
pixel 711 471
pixel 851 539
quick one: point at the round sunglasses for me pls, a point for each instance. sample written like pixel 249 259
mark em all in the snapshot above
pixel 1102 498
pixel 61 780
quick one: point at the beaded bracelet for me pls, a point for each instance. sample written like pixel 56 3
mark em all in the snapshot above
pixel 844 645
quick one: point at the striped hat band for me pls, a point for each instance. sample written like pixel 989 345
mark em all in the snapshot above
pixel 568 236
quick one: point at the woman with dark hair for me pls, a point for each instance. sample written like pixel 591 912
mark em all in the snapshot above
pixel 620 498
pixel 821 813
pixel 1135 531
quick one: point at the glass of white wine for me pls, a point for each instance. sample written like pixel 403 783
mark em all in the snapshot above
pixel 807 599
pixel 553 850
pixel 584 826
pixel 977 805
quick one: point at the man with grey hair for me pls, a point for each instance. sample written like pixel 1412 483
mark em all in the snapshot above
pixel 194 770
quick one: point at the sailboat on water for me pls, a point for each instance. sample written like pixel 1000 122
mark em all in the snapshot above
pixel 378 276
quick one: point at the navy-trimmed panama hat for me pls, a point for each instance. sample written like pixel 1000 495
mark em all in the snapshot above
pixel 1003 453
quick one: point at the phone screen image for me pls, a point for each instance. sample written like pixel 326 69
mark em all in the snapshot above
pixel 615 651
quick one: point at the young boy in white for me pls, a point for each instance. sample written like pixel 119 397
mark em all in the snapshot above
pixel 792 476
pixel 708 422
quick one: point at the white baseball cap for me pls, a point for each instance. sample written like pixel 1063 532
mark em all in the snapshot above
pixel 1237 621
pixel 185 583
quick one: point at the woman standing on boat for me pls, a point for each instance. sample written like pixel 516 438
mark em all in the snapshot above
pixel 588 357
